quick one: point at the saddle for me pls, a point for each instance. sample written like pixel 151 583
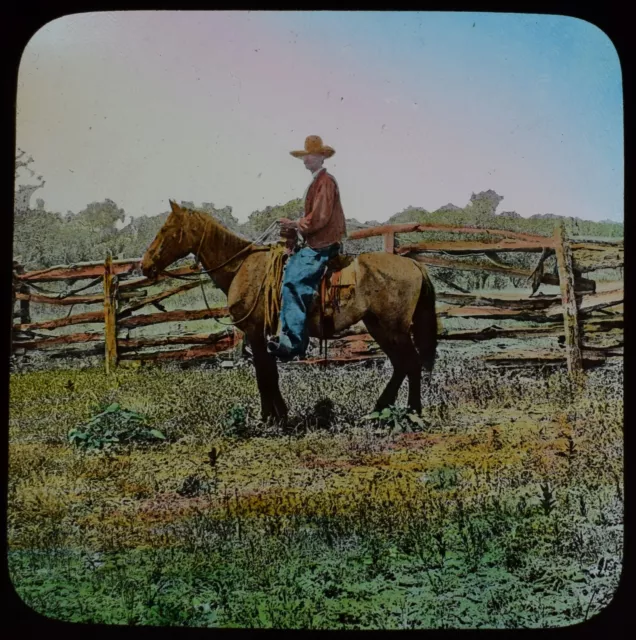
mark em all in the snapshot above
pixel 333 286
pixel 337 281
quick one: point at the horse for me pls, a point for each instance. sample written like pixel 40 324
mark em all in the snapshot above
pixel 393 296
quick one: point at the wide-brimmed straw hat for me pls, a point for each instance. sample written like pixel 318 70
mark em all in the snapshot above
pixel 314 145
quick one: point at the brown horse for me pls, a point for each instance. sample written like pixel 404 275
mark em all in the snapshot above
pixel 393 296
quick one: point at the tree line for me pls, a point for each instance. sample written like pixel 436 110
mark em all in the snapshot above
pixel 43 238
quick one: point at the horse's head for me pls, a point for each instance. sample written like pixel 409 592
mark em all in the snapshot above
pixel 172 242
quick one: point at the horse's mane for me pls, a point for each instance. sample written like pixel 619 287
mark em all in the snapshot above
pixel 273 271
pixel 216 224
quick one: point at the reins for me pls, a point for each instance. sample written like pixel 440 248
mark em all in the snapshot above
pixel 253 246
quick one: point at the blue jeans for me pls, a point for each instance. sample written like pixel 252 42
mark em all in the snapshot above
pixel 303 273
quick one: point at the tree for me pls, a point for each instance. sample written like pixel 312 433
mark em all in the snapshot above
pixel 260 220
pixel 482 207
pixel 224 216
pixel 95 229
pixel 24 192
pixel 137 236
pixel 410 214
pixel 99 219
pixel 38 239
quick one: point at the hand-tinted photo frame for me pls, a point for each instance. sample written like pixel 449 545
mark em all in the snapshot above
pixel 317 321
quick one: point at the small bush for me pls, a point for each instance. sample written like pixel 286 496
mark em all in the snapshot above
pixel 111 426
pixel 235 423
pixel 194 486
pixel 397 419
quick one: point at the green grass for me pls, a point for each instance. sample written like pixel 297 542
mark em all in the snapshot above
pixel 503 509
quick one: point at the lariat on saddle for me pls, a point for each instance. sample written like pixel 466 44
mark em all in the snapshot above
pixel 272 288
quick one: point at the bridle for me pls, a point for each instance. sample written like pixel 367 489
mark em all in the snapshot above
pixel 253 246
pixel 250 247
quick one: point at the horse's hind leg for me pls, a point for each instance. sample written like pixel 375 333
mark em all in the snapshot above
pixel 390 392
pixel 400 350
pixel 415 388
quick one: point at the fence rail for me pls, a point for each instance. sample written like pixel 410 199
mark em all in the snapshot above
pixel 576 304
pixel 123 293
pixel 581 317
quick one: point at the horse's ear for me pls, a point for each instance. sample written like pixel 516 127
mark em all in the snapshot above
pixel 175 207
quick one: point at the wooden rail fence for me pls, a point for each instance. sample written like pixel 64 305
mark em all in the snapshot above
pixel 122 294
pixel 587 322
pixel 591 321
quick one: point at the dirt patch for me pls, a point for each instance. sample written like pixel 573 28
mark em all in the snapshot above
pixel 324 463
pixel 417 441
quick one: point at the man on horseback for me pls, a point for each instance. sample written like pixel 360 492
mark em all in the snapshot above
pixel 322 228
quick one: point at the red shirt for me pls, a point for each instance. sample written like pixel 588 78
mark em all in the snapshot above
pixel 323 223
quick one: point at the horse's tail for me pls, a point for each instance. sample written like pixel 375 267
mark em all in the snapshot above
pixel 425 326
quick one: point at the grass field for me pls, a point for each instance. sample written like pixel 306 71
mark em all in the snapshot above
pixel 502 507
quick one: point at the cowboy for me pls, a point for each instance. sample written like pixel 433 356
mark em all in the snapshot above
pixel 322 229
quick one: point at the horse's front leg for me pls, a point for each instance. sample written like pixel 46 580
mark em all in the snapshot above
pixel 272 403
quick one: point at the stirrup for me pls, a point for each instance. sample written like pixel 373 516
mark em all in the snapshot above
pixel 274 348
pixel 272 345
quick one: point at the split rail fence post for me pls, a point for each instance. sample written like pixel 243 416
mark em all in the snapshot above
pixel 239 342
pixel 110 314
pixel 25 309
pixel 389 242
pixel 570 307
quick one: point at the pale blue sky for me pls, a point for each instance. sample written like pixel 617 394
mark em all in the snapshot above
pixel 422 108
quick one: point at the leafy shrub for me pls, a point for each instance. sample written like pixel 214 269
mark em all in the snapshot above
pixel 196 486
pixel 397 419
pixel 236 421
pixel 113 425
